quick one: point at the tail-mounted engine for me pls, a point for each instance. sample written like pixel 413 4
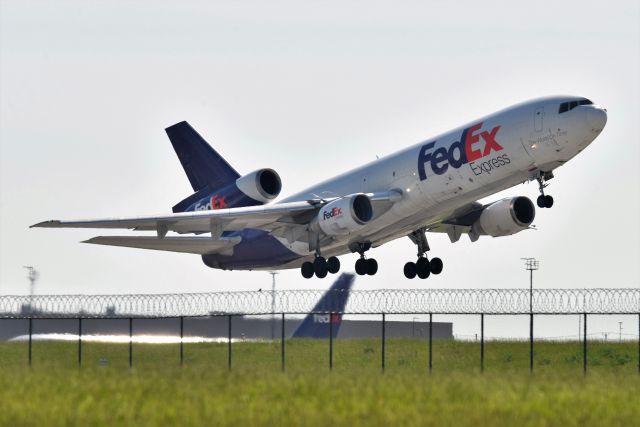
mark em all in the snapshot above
pixel 262 185
pixel 256 188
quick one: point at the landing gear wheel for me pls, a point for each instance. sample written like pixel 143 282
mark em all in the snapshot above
pixel 410 270
pixel 361 267
pixel 544 201
pixel 320 267
pixel 372 266
pixel 423 269
pixel 307 270
pixel 333 265
pixel 436 265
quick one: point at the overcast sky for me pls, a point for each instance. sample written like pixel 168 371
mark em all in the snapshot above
pixel 311 89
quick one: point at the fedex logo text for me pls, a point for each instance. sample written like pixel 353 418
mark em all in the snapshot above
pixel 332 213
pixel 474 144
pixel 212 203
pixel 325 318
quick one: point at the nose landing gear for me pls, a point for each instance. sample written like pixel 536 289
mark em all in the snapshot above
pixel 422 268
pixel 544 201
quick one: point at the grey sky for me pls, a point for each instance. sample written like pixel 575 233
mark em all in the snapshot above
pixel 310 89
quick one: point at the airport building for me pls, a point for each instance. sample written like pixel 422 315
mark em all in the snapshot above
pixel 242 327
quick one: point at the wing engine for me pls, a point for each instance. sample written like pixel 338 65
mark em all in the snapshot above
pixel 505 217
pixel 345 215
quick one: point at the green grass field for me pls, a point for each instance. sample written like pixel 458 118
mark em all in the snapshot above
pixel 158 391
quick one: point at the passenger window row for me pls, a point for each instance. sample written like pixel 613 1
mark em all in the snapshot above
pixel 568 106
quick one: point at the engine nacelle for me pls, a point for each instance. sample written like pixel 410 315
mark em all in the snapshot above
pixel 262 185
pixel 506 217
pixel 345 215
pixel 256 188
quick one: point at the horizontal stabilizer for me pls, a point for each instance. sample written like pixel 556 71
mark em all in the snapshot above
pixel 192 245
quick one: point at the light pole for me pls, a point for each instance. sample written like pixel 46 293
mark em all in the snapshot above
pixel 32 276
pixel 273 304
pixel 531 264
pixel 620 336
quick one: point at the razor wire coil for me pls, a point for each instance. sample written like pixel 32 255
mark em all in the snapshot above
pixel 397 301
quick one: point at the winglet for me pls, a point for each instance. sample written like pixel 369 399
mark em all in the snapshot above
pixel 47 224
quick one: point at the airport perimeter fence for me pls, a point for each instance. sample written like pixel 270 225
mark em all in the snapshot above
pixel 384 302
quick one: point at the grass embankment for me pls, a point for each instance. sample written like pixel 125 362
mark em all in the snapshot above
pixel 157 391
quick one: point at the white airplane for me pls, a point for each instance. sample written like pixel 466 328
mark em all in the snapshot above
pixel 432 186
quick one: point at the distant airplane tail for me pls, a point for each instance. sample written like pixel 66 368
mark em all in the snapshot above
pixel 330 309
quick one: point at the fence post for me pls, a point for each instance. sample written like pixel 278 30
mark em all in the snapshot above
pixel 482 342
pixel 229 341
pixel 430 341
pixel 282 344
pixel 584 344
pixel 639 343
pixel 181 340
pixel 531 342
pixel 30 337
pixel 383 338
pixel 130 342
pixel 80 342
pixel 330 343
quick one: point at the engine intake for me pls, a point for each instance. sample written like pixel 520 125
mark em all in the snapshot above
pixel 345 215
pixel 506 217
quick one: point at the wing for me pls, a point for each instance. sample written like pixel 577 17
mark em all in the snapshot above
pixel 192 245
pixel 459 221
pixel 261 217
pixel 264 217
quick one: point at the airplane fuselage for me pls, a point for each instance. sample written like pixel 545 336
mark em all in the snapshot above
pixel 435 177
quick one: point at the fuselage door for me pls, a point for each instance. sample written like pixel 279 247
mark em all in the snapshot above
pixel 538 119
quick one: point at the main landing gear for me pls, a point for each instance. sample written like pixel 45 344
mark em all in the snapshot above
pixel 320 267
pixel 365 265
pixel 422 268
pixel 544 201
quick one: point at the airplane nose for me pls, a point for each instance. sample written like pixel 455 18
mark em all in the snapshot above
pixel 597 118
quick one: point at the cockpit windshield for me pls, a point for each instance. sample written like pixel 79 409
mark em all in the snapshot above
pixel 570 105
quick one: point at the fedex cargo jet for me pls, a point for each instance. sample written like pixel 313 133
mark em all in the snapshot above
pixel 233 222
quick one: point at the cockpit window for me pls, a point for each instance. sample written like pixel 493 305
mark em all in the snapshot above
pixel 568 106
